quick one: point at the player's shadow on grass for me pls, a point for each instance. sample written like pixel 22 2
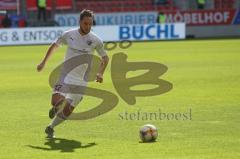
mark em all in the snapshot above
pixel 63 145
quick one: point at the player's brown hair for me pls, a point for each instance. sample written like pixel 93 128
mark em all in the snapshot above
pixel 86 13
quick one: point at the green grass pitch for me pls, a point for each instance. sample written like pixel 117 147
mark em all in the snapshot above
pixel 205 75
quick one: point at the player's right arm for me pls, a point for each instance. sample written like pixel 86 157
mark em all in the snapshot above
pixel 60 41
pixel 48 54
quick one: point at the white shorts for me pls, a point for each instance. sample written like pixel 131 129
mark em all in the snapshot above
pixel 70 94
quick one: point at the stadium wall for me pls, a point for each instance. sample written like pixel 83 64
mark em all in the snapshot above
pixel 213 31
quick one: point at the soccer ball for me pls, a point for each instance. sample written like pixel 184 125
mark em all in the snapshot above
pixel 148 133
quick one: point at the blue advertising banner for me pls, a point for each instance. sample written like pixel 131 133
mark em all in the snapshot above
pixel 47 35
pixel 152 32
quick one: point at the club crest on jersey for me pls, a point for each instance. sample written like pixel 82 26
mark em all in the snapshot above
pixel 89 42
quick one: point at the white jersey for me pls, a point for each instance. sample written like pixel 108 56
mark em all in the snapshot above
pixel 79 45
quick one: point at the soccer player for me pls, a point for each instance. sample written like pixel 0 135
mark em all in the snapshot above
pixel 80 41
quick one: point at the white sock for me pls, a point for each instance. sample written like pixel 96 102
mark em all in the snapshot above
pixel 56 121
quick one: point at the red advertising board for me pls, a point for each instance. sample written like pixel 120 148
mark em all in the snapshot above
pixel 8 4
pixel 1 18
pixel 60 4
pixel 204 17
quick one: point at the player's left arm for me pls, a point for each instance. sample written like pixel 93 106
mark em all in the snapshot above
pixel 102 67
pixel 104 61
